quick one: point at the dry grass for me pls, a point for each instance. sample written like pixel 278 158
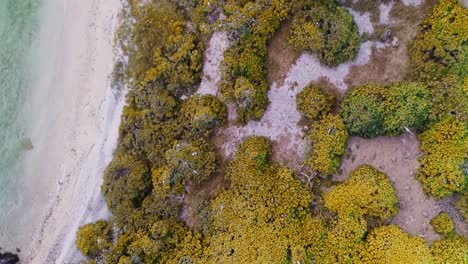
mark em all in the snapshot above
pixel 281 55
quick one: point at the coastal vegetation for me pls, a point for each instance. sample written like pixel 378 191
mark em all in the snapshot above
pixel 159 185
pixel 372 110
pixel 327 30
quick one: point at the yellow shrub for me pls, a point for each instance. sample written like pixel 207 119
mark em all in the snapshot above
pixel 389 244
pixel 366 192
pixel 443 224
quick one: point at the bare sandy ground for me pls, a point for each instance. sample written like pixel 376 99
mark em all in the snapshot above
pixel 75 129
pixel 397 157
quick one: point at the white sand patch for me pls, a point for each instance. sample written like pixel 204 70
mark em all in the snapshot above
pixel 412 2
pixel 280 121
pixel 363 21
pixel 213 57
pixel 75 130
pixel 384 10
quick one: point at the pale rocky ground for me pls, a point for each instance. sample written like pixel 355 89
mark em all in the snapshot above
pixel 380 62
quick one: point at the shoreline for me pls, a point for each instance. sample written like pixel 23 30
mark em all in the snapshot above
pixel 75 115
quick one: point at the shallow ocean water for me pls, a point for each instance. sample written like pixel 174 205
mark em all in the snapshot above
pixel 18 29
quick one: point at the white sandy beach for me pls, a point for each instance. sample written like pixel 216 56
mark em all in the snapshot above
pixel 74 128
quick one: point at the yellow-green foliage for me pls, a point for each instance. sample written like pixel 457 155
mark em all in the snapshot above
pixel 443 224
pixel 200 114
pixel 264 216
pixel 148 126
pixel 327 30
pixel 342 241
pixel 195 160
pixel 165 242
pixel 389 244
pixel 93 239
pixel 329 138
pixel 313 103
pixel 462 204
pixel 363 111
pixel 450 250
pixel 168 53
pixel 371 110
pixel 407 106
pixel 165 182
pixel 126 182
pixel 251 24
pixel 450 97
pixel 442 43
pixel 250 100
pixel 366 192
pixel 445 148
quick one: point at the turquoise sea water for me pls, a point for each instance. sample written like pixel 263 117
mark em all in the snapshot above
pixel 18 27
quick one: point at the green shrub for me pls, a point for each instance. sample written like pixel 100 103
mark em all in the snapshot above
pixel 167 52
pixel 450 97
pixel 330 32
pixel 93 239
pixel 329 138
pixel 126 182
pixel 407 106
pixel 200 114
pixel 441 46
pixel 363 111
pixel 444 147
pixel 366 192
pixel 195 160
pixel 313 103
pixel 389 244
pixel 443 224
pixel 371 110
pixel 250 100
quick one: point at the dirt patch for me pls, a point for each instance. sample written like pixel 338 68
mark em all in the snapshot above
pixel 391 64
pixel 281 54
pixel 397 157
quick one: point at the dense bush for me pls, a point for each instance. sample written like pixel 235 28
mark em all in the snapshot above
pixel 93 239
pixel 329 138
pixel 313 103
pixel 450 97
pixel 450 250
pixel 445 148
pixel 441 46
pixel 363 111
pixel 126 182
pixel 329 31
pixel 195 160
pixel 200 114
pixel 443 224
pixel 407 106
pixel 166 242
pixel 389 244
pixel 266 207
pixel 372 110
pixel 366 192
pixel 167 52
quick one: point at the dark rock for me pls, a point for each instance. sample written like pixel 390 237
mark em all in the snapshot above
pixel 8 258
pixel 386 36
